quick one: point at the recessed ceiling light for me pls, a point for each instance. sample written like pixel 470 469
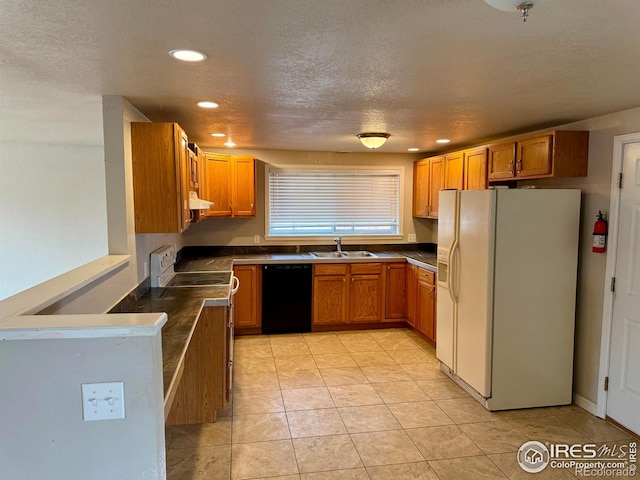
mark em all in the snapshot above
pixel 188 55
pixel 414 149
pixel 443 140
pixel 208 104
pixel 218 135
pixel 229 144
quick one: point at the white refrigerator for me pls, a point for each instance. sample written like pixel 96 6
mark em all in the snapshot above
pixel 507 268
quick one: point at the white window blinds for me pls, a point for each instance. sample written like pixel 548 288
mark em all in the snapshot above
pixel 329 203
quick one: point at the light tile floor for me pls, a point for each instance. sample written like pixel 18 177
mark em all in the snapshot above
pixel 362 405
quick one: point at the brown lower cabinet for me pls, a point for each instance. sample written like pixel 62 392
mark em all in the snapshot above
pixel 205 386
pixel 396 291
pixel 421 300
pixel 348 293
pixel 248 300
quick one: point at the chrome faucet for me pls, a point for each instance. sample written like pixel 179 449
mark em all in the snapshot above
pixel 338 241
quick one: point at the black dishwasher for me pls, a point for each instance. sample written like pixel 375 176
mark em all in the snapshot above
pixel 286 298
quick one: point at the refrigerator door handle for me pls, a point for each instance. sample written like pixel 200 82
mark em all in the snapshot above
pixel 453 271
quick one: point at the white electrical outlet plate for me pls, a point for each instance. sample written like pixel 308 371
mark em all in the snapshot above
pixel 102 401
pixel 256 239
pixel 411 238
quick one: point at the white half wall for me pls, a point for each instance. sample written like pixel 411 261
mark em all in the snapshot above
pixel 53 215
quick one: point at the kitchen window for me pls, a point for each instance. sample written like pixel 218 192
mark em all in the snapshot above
pixel 333 200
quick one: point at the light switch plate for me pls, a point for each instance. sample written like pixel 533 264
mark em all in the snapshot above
pixel 102 401
pixel 256 239
pixel 411 238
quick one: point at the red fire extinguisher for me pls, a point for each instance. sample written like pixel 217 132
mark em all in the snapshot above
pixel 600 234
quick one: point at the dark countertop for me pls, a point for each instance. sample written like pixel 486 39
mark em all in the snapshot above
pixel 225 262
pixel 183 305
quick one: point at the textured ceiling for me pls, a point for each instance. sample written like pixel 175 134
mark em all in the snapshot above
pixel 309 75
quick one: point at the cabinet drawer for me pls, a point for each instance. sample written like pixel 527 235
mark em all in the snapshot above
pixel 330 269
pixel 364 268
pixel 427 276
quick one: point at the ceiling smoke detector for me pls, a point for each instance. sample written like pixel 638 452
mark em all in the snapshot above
pixel 514 5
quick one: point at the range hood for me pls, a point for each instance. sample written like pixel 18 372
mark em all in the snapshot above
pixel 196 203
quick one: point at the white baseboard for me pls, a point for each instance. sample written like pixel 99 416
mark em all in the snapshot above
pixel 588 405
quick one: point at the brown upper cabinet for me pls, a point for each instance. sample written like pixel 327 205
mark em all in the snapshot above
pixel 558 153
pixel 160 177
pixel 230 183
pixel 421 188
pixel 475 169
pixel 428 178
pixel 195 165
pixel 454 170
pixel 436 180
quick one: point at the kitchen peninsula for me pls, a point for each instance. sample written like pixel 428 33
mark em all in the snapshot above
pixel 142 343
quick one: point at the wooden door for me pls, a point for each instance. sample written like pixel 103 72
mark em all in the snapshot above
pixel 426 307
pixel 183 172
pixel 475 169
pixel 203 386
pixel 155 163
pixel 421 188
pixel 411 283
pixel 244 187
pixel 366 293
pixel 218 184
pixel 396 291
pixel 436 178
pixel 534 157
pixel 501 161
pixel 330 299
pixel 454 170
pixel 193 170
pixel 246 311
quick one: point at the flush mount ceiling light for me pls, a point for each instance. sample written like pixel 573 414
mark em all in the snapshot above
pixel 522 6
pixel 373 140
pixel 443 140
pixel 414 149
pixel 229 144
pixel 188 55
pixel 218 135
pixel 208 105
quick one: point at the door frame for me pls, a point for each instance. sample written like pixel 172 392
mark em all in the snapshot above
pixel 619 141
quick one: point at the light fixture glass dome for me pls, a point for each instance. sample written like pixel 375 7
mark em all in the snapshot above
pixel 373 140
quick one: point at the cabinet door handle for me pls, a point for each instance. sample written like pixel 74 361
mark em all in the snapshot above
pixel 252 208
pixel 230 207
pixel 353 279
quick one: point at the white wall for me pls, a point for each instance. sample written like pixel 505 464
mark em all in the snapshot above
pixel 43 435
pixel 240 231
pixel 103 294
pixel 596 194
pixel 52 211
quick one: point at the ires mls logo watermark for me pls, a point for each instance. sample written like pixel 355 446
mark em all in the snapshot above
pixel 585 460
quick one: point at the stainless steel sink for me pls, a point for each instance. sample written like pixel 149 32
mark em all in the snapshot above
pixel 326 254
pixel 358 253
pixel 348 254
